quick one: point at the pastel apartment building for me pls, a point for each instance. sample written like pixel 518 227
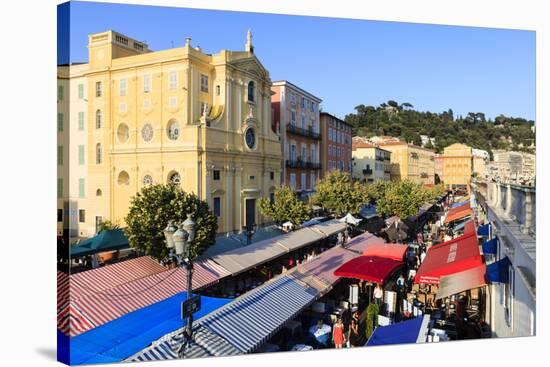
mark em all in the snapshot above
pixel 296 120
pixel 336 144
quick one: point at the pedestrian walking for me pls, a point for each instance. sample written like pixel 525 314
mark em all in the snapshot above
pixel 338 334
pixel 353 334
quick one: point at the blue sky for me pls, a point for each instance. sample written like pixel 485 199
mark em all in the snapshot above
pixel 345 62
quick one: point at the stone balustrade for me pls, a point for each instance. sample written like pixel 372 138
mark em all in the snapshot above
pixel 517 202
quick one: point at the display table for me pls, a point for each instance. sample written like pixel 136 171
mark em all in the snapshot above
pixel 322 334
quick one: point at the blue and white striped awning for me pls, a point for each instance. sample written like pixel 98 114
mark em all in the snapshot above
pixel 204 344
pixel 252 319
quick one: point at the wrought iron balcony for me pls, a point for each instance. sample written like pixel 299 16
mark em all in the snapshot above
pixel 367 171
pixel 302 164
pixel 309 133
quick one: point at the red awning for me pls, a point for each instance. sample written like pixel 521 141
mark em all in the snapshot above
pixel 469 228
pixel 391 251
pixel 459 254
pixel 458 212
pixel 373 268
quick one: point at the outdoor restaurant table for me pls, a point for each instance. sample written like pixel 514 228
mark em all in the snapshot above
pixel 322 334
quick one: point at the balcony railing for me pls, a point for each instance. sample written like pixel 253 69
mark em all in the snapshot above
pixel 303 132
pixel 302 164
pixel 380 159
pixel 367 171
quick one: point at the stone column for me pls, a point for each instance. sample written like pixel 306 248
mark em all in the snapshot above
pixel 508 209
pixel 528 209
pixel 228 104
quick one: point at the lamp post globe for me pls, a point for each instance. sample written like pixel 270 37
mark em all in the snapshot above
pixel 169 234
pixel 180 240
pixel 189 227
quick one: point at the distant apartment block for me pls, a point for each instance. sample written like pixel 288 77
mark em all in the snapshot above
pixel 369 162
pixel 336 144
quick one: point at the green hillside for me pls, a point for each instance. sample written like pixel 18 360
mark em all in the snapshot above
pixel 402 120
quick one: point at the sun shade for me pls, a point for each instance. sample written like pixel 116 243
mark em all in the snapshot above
pixel 459 254
pixel 405 332
pixel 392 251
pixel 458 213
pixel 460 282
pixel 372 268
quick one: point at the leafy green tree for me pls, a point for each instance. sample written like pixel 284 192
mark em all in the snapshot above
pixel 337 193
pixel 285 207
pixel 107 225
pixel 152 208
pixel 377 190
pixel 403 199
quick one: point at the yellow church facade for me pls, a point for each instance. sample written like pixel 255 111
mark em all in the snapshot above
pixel 179 115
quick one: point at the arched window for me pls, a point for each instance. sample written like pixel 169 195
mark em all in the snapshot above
pixel 174 178
pixel 98 192
pixel 147 180
pixel 123 178
pixel 251 91
pixel 173 129
pixel 98 154
pixel 98 119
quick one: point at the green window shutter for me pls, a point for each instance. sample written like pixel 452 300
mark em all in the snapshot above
pixel 60 92
pixel 60 155
pixel 81 193
pixel 59 188
pixel 59 122
pixel 81 155
pixel 81 91
pixel 81 121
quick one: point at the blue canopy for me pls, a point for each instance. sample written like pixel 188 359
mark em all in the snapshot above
pixel 483 230
pixel 368 211
pixel 127 335
pixel 490 246
pixel 107 240
pixel 460 225
pixel 498 271
pixel 404 332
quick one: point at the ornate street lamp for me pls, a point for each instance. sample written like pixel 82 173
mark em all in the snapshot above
pixel 249 231
pixel 178 241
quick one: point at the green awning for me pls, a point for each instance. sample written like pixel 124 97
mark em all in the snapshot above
pixel 105 241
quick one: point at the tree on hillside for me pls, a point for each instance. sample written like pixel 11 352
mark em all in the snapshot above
pixel 155 205
pixel 337 193
pixel 474 129
pixel 285 207
pixel 406 105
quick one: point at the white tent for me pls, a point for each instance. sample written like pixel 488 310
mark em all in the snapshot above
pixel 350 219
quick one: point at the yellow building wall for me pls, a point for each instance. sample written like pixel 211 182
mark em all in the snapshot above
pixel 457 165
pixel 209 142
pixel 411 162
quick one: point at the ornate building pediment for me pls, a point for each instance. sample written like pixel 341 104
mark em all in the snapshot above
pixel 252 66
